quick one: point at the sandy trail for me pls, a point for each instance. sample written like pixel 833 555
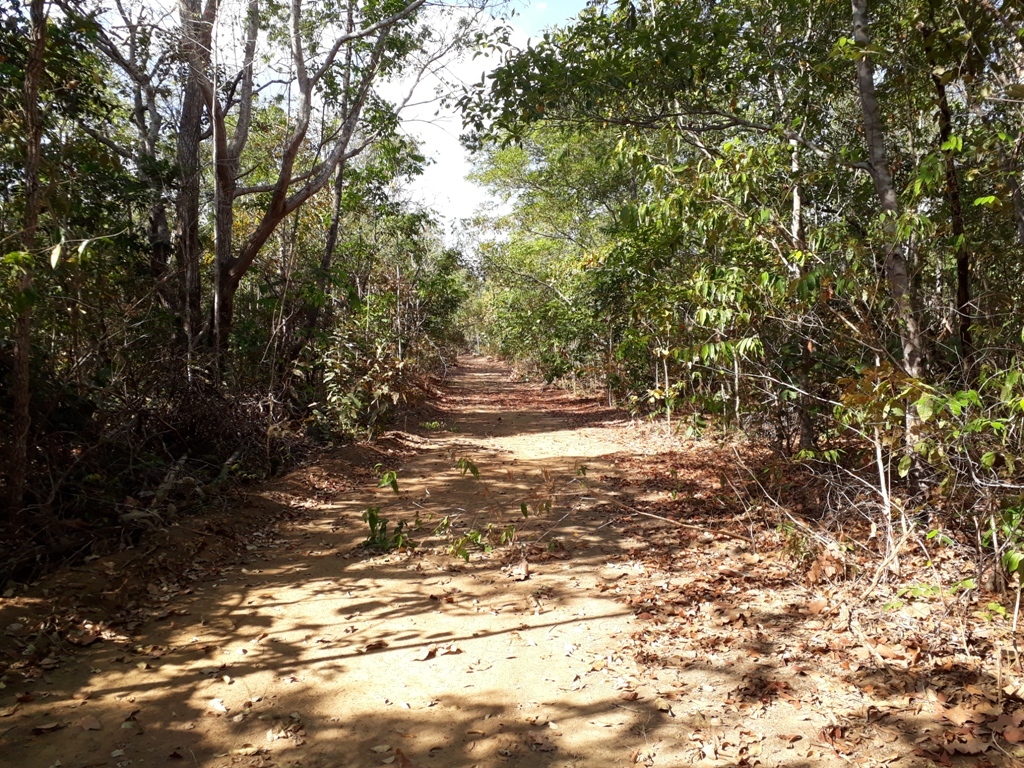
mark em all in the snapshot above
pixel 633 640
pixel 316 653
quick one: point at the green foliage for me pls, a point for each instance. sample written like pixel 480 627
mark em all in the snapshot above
pixel 379 538
pixel 485 539
pixel 388 479
pixel 464 465
pixel 321 348
pixel 687 231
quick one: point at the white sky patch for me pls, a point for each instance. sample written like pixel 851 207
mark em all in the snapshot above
pixel 443 187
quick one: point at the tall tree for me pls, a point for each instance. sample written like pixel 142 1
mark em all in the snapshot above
pixel 22 358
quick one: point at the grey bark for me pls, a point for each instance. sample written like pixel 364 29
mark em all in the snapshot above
pixel 196 30
pixel 232 265
pixel 21 368
pixel 896 266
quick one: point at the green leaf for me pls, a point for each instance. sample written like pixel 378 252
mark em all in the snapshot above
pixel 905 464
pixel 925 407
pixel 1012 560
pixel 23 259
pixel 953 143
pixel 389 479
pixel 465 465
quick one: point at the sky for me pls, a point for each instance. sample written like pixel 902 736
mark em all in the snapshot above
pixel 444 187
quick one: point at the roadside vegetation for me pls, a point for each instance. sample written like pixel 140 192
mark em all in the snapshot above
pixel 786 221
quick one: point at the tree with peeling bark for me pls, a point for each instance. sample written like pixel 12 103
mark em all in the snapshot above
pixel 335 117
pixel 186 159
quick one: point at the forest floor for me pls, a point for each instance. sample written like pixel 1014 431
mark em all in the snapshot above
pixel 264 634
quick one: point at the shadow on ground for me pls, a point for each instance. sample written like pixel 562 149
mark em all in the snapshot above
pixel 594 638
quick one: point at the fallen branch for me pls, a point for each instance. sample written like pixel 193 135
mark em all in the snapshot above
pixel 690 526
pixel 715 532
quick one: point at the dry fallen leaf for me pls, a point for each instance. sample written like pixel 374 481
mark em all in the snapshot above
pixel 540 743
pixel 83 638
pixel 521 571
pixel 817 605
pixel 959 715
pixel 132 725
pixel 890 651
pixel 436 650
pixel 89 723
pixel 218 705
pixel 47 728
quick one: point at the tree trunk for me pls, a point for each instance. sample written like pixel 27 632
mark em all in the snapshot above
pixel 21 379
pixel 964 307
pixel 161 249
pixel 896 267
pixel 320 311
pixel 282 204
pixel 196 34
pixel 225 174
pixel 804 401
pixel 327 260
pixel 1009 165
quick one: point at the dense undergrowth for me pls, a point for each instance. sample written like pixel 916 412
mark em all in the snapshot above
pixel 728 221
pixel 203 277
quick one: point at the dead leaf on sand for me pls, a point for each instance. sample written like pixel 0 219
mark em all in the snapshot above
pixel 520 571
pixel 90 723
pixel 436 650
pixel 246 750
pixel 817 605
pixel 47 728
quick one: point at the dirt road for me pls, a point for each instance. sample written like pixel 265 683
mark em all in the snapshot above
pixel 317 653
pixel 649 610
